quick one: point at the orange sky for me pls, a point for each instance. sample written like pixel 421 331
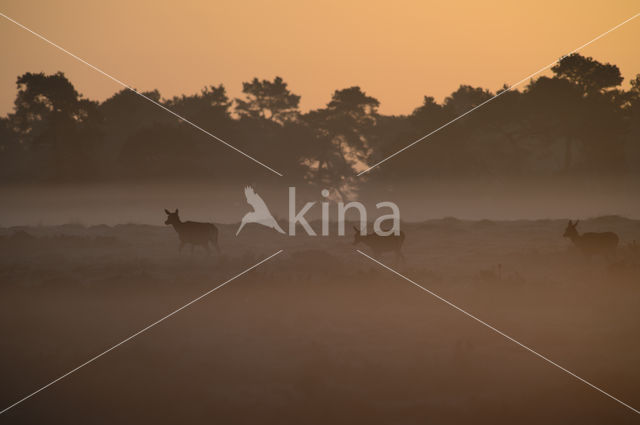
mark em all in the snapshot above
pixel 396 51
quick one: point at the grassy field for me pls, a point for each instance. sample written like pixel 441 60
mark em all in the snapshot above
pixel 319 334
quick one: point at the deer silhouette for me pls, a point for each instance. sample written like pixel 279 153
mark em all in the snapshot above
pixel 381 244
pixel 193 232
pixel 592 243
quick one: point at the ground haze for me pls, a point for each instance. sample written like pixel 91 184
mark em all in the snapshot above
pixel 319 334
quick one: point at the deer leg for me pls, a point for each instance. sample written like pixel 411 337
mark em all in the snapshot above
pixel 214 241
pixel 400 256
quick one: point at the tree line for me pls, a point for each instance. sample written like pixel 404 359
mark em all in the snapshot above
pixel 579 121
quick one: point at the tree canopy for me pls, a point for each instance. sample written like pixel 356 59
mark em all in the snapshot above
pixel 576 121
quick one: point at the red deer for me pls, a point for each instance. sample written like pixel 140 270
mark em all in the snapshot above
pixel 381 244
pixel 193 232
pixel 592 243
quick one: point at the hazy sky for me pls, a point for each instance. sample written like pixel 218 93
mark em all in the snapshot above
pixel 396 51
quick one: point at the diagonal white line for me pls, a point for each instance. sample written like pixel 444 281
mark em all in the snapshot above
pixel 499 332
pixel 577 49
pixel 138 333
pixel 139 94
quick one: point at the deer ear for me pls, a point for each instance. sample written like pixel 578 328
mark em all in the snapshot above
pixel 356 229
pixel 176 211
pixel 576 223
pixel 167 211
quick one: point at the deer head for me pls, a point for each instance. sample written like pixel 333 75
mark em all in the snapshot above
pixel 571 231
pixel 172 217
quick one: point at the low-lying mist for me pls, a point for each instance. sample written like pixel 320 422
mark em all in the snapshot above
pixel 319 334
pixel 144 202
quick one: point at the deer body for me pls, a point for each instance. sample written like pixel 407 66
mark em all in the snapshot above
pixel 592 243
pixel 192 232
pixel 381 244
